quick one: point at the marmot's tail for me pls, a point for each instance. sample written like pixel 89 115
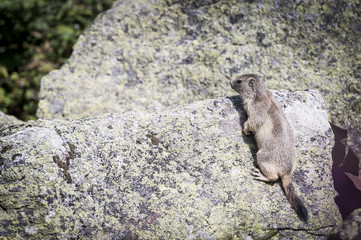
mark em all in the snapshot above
pixel 294 200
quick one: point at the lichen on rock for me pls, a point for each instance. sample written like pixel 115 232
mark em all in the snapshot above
pixel 178 173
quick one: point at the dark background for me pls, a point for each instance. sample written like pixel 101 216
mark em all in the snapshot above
pixel 36 36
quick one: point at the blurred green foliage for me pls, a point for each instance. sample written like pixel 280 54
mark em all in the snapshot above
pixel 36 36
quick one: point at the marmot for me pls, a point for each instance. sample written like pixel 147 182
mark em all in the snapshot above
pixel 276 153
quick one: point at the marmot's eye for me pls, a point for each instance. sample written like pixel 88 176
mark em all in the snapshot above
pixel 238 81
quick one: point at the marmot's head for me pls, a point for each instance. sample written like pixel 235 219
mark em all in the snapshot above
pixel 249 86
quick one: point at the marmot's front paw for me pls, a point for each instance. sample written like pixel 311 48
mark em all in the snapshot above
pixel 246 129
pixel 246 132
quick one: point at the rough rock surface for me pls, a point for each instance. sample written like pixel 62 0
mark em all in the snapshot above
pixel 350 229
pixel 179 173
pixel 6 120
pixel 145 54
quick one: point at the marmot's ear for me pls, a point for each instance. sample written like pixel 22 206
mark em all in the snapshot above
pixel 251 83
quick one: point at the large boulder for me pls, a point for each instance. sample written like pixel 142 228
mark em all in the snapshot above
pixel 145 54
pixel 179 173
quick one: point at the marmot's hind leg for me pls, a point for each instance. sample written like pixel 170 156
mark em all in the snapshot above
pixel 268 170
pixel 258 175
pixel 255 172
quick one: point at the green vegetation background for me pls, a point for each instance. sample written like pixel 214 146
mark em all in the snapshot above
pixel 36 36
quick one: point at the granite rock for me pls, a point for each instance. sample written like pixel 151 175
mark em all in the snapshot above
pixel 179 173
pixel 350 229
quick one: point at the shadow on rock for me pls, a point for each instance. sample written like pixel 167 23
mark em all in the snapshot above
pixel 345 172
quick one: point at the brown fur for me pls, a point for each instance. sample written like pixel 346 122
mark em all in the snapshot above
pixel 276 154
